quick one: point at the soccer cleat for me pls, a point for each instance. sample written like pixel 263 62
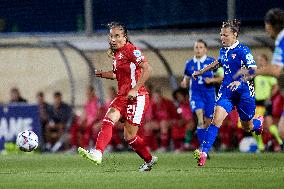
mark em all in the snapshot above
pixel 260 129
pixel 148 166
pixel 202 159
pixel 94 156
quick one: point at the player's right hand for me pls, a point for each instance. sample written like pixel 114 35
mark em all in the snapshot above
pixel 196 74
pixel 98 73
pixel 209 80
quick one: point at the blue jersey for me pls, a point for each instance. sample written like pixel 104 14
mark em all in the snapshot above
pixel 278 54
pixel 232 59
pixel 195 65
pixel 202 96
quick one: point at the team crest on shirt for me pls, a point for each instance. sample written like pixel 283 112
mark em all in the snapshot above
pixel 120 56
pixel 234 56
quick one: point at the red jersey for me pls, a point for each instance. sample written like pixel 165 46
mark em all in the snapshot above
pixel 126 68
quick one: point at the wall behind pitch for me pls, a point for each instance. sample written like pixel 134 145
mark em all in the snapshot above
pixel 32 70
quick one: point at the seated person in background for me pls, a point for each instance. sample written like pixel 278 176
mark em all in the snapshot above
pixel 149 132
pixel 182 129
pixel 54 132
pixel 44 112
pixel 15 96
pixel 61 111
pixel 164 113
pixel 82 131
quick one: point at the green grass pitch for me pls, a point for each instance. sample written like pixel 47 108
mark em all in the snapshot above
pixel 120 170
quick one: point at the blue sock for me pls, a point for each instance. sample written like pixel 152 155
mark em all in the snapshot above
pixel 256 124
pixel 200 135
pixel 209 138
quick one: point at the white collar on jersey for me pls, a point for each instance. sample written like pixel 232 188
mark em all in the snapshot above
pixel 233 46
pixel 202 59
pixel 279 37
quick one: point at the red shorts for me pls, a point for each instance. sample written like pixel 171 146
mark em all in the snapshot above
pixel 132 111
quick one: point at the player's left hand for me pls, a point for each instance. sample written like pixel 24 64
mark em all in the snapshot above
pixel 132 94
pixel 234 85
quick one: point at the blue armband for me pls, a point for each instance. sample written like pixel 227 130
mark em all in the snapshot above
pixel 251 71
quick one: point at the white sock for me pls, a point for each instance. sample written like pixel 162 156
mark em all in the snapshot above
pixel 96 153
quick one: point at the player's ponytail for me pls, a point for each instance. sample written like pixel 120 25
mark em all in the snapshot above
pixel 234 25
pixel 122 27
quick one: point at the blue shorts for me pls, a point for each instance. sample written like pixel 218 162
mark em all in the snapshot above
pixel 245 106
pixel 205 101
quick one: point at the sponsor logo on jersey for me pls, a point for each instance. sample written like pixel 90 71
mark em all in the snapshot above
pixel 234 56
pixel 137 53
pixel 249 58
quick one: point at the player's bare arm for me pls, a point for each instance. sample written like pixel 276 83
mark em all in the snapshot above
pixel 105 74
pixel 145 74
pixel 212 66
pixel 185 82
pixel 247 74
pixel 273 70
pixel 213 80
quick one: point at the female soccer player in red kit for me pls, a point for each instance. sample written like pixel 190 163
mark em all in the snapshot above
pixel 131 70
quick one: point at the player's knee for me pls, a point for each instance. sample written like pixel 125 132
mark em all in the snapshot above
pixel 217 122
pixel 128 136
pixel 129 133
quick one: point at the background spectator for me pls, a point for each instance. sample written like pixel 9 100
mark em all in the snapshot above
pixel 60 110
pixel 57 137
pixel 44 112
pixel 16 97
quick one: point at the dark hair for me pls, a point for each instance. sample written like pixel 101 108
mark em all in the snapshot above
pixel 201 41
pixel 234 25
pixel 182 91
pixel 123 28
pixel 275 17
pixel 40 94
pixel 15 90
pixel 57 94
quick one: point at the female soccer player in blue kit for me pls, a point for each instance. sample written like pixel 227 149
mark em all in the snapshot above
pixel 238 93
pixel 202 90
